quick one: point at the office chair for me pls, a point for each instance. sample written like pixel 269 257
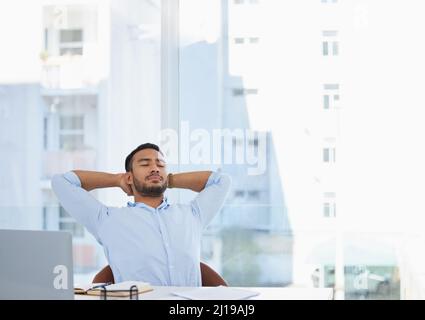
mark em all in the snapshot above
pixel 210 278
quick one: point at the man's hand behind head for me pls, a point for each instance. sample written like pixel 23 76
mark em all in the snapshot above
pixel 123 183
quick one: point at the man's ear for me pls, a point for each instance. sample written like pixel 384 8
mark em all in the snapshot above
pixel 129 178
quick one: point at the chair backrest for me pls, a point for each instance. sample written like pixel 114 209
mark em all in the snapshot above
pixel 210 278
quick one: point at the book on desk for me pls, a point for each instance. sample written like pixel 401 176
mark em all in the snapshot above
pixel 122 289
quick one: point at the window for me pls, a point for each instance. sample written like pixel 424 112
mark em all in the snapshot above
pixel 71 42
pixel 331 97
pixel 329 155
pixel 67 223
pixel 45 133
pixel 247 40
pixel 239 194
pixel 71 36
pixel 72 123
pixel 245 1
pixel 46 39
pixel 253 195
pixel 71 51
pixel 330 43
pixel 237 141
pixel 71 133
pixel 244 92
pixel 255 208
pixel 59 115
pixel 253 142
pixel 251 91
pixel 329 205
pixel 45 218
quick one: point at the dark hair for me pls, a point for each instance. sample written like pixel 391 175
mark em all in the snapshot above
pixel 129 158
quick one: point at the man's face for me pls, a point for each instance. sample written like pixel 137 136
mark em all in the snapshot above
pixel 149 173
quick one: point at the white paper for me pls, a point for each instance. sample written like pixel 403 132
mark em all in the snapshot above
pixel 216 293
pixel 126 285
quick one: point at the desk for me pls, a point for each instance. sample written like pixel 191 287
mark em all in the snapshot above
pixel 164 293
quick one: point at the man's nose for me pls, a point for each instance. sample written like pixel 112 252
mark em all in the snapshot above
pixel 155 169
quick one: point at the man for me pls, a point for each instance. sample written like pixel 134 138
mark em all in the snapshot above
pixel 148 240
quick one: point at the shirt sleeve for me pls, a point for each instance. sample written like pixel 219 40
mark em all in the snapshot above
pixel 78 202
pixel 211 199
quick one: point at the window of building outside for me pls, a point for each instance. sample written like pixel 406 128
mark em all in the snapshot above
pixel 237 92
pixel 330 43
pixel 71 133
pixel 329 205
pixel 329 155
pixel 248 40
pixel 331 96
pixel 67 223
pixel 246 1
pixel 71 42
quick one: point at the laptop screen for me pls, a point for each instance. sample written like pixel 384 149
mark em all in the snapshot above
pixel 36 265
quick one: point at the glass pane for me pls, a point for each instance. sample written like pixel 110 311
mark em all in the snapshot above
pixel 77 95
pixel 335 48
pixel 326 210
pixel 326 155
pixel 326 101
pixel 67 36
pixel 71 51
pixel 72 123
pixel 325 46
pixel 279 226
pixel 71 142
pixel 75 229
pixel 63 213
pixel 252 228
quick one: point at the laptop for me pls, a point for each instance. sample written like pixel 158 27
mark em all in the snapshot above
pixel 36 265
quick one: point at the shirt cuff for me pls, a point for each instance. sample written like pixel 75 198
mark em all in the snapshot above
pixel 72 178
pixel 214 178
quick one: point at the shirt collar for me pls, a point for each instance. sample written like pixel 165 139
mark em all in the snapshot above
pixel 164 204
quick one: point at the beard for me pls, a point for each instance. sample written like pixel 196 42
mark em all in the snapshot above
pixel 149 191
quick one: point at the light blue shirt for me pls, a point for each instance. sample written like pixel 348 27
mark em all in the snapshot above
pixel 161 246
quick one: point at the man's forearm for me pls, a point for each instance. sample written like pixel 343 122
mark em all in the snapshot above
pixel 94 180
pixel 194 181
